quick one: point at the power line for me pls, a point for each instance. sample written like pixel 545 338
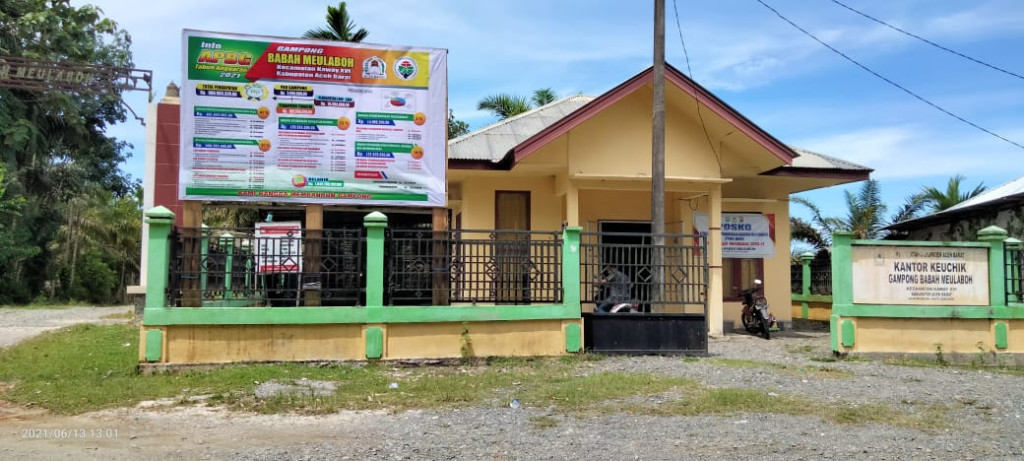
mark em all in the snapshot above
pixel 693 88
pixel 897 29
pixel 876 74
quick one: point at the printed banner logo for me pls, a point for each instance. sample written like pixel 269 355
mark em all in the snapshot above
pixel 255 92
pixel 405 68
pixel 374 67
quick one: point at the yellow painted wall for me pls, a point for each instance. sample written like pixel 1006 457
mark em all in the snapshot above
pixel 440 340
pixel 617 142
pixel 189 344
pixel 250 343
pixel 921 336
pixel 815 311
pixel 478 201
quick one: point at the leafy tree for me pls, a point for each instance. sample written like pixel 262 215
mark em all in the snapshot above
pixel 456 127
pixel 55 145
pixel 938 200
pixel 340 27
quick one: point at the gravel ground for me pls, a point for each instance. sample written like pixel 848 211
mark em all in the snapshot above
pixel 19 324
pixel 986 419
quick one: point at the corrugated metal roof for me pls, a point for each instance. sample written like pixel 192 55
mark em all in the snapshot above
pixel 808 159
pixel 494 141
pixel 1013 190
pixel 1015 187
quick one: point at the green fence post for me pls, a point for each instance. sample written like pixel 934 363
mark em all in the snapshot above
pixel 158 249
pixel 375 223
pixel 204 251
pixel 994 236
pixel 842 282
pixel 571 268
pixel 1013 291
pixel 227 242
pixel 805 283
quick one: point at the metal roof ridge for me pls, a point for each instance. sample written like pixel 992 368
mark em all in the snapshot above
pixel 517 117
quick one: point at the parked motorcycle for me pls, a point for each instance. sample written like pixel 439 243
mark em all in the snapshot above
pixel 756 317
pixel 613 293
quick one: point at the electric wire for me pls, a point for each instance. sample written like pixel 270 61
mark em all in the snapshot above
pixel 897 29
pixel 693 86
pixel 876 74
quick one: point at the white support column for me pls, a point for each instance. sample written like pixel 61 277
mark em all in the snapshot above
pixel 715 288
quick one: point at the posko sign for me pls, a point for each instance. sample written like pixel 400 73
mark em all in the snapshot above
pixel 744 235
pixel 276 119
pixel 913 275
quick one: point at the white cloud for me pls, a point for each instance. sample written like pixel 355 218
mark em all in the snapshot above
pixel 913 151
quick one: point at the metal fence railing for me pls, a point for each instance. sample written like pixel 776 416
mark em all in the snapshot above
pixel 821 277
pixel 227 266
pixel 1014 261
pixel 796 278
pixel 472 266
pixel 684 269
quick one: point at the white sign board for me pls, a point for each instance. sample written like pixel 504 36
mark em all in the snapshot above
pixel 287 120
pixel 933 276
pixel 279 247
pixel 744 235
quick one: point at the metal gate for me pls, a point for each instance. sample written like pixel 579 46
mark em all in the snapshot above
pixel 673 307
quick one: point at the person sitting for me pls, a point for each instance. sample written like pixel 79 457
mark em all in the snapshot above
pixel 615 286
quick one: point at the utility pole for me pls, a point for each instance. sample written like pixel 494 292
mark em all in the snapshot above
pixel 658 158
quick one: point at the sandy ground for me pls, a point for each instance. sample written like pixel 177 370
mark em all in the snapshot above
pixel 19 324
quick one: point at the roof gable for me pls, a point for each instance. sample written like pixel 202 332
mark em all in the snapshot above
pixel 674 76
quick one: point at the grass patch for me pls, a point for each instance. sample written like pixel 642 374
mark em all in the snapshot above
pixel 743 363
pixel 817 372
pixel 845 358
pixel 1010 370
pixel 90 367
pixel 543 422
pixel 119 316
pixel 805 349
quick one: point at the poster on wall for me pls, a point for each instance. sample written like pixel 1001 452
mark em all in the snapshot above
pixel 913 275
pixel 279 247
pixel 744 235
pixel 287 120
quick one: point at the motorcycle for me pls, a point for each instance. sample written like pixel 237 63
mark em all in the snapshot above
pixel 756 317
pixel 612 293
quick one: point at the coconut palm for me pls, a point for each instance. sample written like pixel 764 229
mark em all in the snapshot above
pixel 865 217
pixel 543 96
pixel 940 200
pixel 505 105
pixel 340 27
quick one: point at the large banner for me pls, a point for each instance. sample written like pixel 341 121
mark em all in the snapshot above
pixel 915 275
pixel 744 235
pixel 285 120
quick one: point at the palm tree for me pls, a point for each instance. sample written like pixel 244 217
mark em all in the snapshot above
pixel 340 27
pixel 504 105
pixel 940 200
pixel 543 96
pixel 865 217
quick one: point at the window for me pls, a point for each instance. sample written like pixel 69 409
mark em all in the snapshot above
pixel 739 274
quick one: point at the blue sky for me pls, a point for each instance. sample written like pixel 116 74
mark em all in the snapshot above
pixel 791 86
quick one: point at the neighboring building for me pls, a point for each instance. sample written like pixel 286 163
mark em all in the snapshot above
pixel 1002 206
pixel 585 161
